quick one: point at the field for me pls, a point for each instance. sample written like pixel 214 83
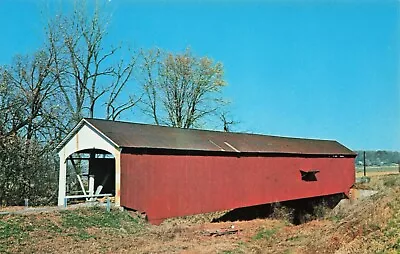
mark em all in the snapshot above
pixel 370 226
pixel 377 170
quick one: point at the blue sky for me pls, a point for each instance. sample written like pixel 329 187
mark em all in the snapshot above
pixel 317 69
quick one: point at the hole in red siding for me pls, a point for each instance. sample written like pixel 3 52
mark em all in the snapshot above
pixel 309 176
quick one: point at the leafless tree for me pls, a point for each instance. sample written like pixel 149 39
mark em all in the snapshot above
pixel 29 116
pixel 29 98
pixel 181 90
pixel 227 121
pixel 86 70
pixel 122 75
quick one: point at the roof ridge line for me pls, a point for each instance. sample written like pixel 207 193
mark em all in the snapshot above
pixel 213 131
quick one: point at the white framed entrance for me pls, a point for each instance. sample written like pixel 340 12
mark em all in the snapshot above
pixel 85 137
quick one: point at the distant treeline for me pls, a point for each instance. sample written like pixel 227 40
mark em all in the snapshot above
pixel 378 158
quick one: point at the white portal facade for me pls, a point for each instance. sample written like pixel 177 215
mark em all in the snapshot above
pixel 86 137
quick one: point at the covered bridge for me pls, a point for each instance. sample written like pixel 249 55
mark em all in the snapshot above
pixel 168 172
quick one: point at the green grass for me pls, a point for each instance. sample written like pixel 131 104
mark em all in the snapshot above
pixel 94 218
pixel 14 228
pixel 9 229
pixel 82 219
pixel 295 238
pixel 235 251
pixel 80 224
pixel 13 231
pixel 265 233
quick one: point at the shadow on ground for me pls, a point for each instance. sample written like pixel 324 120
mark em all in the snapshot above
pixel 295 211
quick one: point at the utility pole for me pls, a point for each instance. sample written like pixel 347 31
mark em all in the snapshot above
pixel 365 171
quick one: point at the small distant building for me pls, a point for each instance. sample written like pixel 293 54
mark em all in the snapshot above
pixel 169 172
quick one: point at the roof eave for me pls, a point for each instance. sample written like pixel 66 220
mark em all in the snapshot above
pixel 102 134
pixel 76 129
pixel 242 153
pixel 70 134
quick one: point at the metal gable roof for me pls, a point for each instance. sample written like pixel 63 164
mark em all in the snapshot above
pixel 133 135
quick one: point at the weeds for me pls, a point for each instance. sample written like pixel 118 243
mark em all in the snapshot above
pixel 321 210
pixel 237 250
pixel 281 212
pixel 390 182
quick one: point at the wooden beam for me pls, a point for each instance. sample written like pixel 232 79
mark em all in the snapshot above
pixel 79 177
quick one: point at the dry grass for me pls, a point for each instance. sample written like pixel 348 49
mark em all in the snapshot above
pixel 367 227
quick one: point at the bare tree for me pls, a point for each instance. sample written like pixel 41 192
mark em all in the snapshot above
pixel 29 98
pixel 149 78
pixel 29 131
pixel 181 90
pixel 227 121
pixel 122 75
pixel 86 71
pixel 11 105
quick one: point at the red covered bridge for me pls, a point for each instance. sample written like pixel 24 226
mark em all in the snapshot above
pixel 168 172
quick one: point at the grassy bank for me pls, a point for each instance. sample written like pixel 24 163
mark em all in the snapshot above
pixel 370 226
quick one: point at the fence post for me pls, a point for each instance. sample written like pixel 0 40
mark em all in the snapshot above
pixel 398 163
pixel 108 204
